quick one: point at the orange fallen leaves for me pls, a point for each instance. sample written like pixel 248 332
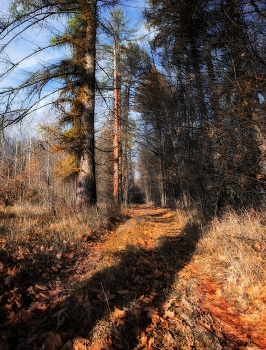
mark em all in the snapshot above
pixel 152 313
pixel 12 274
pixel 38 286
pixel 118 314
pixel 238 329
pixel 170 314
pixel 81 344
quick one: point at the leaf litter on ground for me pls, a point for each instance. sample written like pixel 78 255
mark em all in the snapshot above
pixel 154 301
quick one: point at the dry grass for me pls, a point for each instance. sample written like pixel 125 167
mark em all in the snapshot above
pixel 19 224
pixel 162 280
pixel 230 249
pixel 233 251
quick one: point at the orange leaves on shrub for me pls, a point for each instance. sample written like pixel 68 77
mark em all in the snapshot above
pixel 67 168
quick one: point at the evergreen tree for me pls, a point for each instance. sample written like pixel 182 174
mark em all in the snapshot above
pixel 76 75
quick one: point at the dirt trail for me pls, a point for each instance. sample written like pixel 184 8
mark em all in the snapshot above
pixel 136 288
pixel 197 304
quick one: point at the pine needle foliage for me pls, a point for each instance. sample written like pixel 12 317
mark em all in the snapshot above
pixel 67 85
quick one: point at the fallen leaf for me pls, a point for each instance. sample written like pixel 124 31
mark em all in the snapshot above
pixel 169 338
pixel 13 318
pixel 169 303
pixel 143 339
pixel 38 286
pixel 31 290
pixel 167 275
pixel 18 304
pixel 122 292
pixel 169 314
pixel 80 344
pixel 69 255
pixel 258 246
pixel 84 238
pixel 118 314
pixel 12 274
pixel 38 305
pixel 32 339
pixel 152 313
pixel 8 280
pixel 148 299
pixel 151 341
pixel 43 295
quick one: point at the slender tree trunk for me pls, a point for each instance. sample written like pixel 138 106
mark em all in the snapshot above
pixel 86 181
pixel 125 148
pixel 116 130
pixel 30 163
pixel 16 158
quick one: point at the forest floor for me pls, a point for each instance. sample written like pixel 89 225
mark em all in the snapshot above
pixel 154 279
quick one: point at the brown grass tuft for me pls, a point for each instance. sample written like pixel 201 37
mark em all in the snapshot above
pixel 233 251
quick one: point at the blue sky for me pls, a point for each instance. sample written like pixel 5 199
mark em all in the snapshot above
pixel 34 38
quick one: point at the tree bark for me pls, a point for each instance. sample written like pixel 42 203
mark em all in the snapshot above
pixel 86 181
pixel 116 130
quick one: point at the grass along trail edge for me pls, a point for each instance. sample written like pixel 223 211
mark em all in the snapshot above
pixel 160 281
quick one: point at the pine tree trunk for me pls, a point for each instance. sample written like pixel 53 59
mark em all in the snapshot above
pixel 116 129
pixel 86 181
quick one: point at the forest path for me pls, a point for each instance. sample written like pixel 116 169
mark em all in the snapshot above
pixel 182 307
pixel 138 287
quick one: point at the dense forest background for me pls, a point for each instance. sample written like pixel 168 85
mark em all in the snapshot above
pixel 171 117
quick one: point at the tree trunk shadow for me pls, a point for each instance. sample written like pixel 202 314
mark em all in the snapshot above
pixel 141 277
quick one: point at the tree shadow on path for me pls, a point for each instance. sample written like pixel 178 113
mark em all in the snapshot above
pixel 141 279
pixel 138 282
